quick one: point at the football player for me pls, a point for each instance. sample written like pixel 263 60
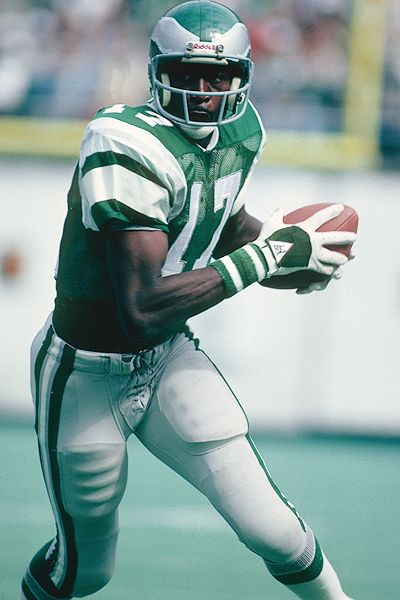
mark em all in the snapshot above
pixel 157 232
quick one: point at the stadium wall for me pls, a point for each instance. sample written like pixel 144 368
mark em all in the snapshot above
pixel 324 362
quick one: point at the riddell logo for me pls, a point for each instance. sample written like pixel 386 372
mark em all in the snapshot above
pixel 207 46
pixel 203 46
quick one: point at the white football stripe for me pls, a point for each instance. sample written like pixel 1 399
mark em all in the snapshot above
pixel 260 267
pixel 133 190
pixel 233 272
pixel 108 134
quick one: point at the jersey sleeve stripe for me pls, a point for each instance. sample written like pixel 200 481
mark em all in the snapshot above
pixel 108 215
pixel 109 134
pixel 120 161
pixel 107 158
pixel 115 183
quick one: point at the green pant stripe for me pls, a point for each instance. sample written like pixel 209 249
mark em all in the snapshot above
pixel 273 484
pixel 54 410
pixel 226 383
pixel 190 335
pixel 37 371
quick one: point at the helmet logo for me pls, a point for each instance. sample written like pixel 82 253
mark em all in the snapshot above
pixel 207 46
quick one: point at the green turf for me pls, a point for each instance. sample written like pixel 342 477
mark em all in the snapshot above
pixel 172 545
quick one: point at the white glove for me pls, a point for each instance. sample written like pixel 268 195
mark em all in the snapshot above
pixel 290 248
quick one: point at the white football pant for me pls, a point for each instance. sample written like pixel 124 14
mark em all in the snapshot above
pixel 179 406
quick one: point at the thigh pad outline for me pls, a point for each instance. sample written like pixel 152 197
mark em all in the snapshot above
pixel 93 478
pixel 197 402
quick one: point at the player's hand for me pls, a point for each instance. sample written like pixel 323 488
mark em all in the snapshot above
pixel 301 246
pixel 319 286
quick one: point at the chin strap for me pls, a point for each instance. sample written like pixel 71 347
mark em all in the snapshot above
pixel 166 94
pixel 198 133
pixel 232 99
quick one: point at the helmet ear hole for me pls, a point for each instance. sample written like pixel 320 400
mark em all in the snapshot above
pixel 165 94
pixel 232 99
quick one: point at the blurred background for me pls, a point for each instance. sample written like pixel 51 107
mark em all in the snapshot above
pixel 330 67
pixel 318 375
pixel 327 86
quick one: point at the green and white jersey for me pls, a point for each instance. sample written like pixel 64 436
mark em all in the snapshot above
pixel 137 170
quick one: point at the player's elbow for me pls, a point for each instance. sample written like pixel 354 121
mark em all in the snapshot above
pixel 142 326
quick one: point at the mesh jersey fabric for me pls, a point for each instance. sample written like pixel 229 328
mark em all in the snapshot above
pixel 138 171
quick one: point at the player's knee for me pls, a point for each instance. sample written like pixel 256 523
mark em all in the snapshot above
pixel 95 536
pixel 93 479
pixel 96 547
pixel 277 538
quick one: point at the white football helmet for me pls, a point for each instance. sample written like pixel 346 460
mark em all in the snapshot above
pixel 200 31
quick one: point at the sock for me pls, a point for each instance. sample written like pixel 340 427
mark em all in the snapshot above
pixel 324 587
pixel 36 584
pixel 310 576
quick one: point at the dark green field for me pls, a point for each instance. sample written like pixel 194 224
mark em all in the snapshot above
pixel 173 546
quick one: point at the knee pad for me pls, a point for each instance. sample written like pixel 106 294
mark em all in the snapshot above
pixel 303 568
pixel 93 479
pixel 277 538
pixel 92 577
pixel 96 543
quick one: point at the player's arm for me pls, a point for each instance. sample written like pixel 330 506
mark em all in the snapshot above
pixel 239 230
pixel 151 306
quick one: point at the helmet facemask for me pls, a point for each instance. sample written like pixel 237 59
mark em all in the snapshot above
pixel 174 103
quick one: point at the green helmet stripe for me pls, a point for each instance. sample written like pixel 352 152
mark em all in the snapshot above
pixel 171 36
pixel 203 18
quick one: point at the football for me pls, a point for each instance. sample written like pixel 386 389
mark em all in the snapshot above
pixel 346 221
